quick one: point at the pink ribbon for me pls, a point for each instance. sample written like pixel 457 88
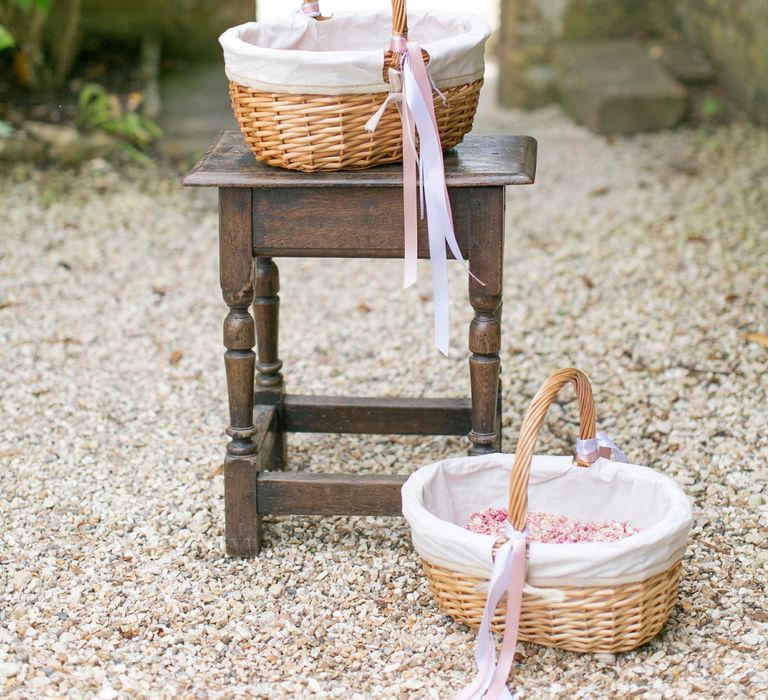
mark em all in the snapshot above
pixel 417 114
pixel 311 9
pixel 601 445
pixel 508 577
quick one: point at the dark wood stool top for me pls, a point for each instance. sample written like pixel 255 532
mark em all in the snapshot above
pixel 479 161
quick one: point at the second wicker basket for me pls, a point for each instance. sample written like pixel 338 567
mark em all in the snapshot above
pixel 587 597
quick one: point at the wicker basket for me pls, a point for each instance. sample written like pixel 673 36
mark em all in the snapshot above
pixel 602 618
pixel 325 132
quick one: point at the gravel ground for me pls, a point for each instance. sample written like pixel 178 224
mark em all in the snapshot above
pixel 641 261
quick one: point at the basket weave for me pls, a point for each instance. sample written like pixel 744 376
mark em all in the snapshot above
pixel 607 619
pixel 589 619
pixel 325 132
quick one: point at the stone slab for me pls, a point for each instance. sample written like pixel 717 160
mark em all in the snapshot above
pixel 21 150
pixel 615 87
pixel 686 63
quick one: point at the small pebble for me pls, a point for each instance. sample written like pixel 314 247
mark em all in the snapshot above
pixel 752 639
pixel 606 658
pixel 268 617
pixel 21 579
pixel 8 670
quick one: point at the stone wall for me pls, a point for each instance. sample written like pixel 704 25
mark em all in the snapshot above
pixel 734 34
pixel 531 31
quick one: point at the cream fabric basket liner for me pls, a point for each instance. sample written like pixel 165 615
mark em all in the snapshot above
pixel 439 499
pixel 345 54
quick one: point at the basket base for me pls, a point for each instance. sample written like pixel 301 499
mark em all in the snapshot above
pixel 325 132
pixel 593 620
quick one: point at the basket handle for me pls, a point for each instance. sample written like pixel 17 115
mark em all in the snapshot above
pixel 399 19
pixel 534 419
pixel 399 16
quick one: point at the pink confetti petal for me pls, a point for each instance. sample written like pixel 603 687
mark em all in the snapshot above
pixel 550 528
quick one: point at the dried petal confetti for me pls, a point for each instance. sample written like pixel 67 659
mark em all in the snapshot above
pixel 553 529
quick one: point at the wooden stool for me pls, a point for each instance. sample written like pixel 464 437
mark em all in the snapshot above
pixel 266 212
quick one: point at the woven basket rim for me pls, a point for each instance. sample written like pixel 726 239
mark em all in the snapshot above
pixel 430 530
pixel 308 60
pixel 478 28
pixel 633 469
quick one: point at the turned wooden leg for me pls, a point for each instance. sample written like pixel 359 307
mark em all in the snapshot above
pixel 486 254
pixel 243 524
pixel 269 381
pixel 484 368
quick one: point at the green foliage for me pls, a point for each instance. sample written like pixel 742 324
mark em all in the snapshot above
pixel 6 39
pixel 6 130
pixel 712 107
pixel 45 37
pixel 21 28
pixel 27 5
pixel 97 109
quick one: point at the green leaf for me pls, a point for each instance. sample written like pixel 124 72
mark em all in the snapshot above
pixel 6 130
pixel 711 107
pixel 92 92
pixel 97 109
pixel 92 105
pixel 6 39
pixel 27 5
pixel 154 130
pixel 135 154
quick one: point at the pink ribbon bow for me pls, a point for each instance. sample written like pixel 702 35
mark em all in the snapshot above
pixel 508 577
pixel 599 446
pixel 417 113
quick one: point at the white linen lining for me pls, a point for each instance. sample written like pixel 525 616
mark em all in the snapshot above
pixel 345 54
pixel 439 499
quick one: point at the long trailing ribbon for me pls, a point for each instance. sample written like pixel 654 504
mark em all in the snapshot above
pixel 599 446
pixel 508 577
pixel 417 113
